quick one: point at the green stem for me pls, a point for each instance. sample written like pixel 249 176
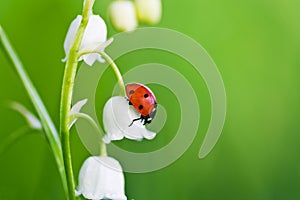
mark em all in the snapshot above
pixel 48 125
pixel 111 62
pixel 103 151
pixel 88 118
pixel 66 96
pixel 95 125
pixel 116 71
pixel 65 142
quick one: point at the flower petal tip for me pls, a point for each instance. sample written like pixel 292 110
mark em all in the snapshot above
pixel 149 135
pixel 90 59
pixel 77 193
pixel 106 139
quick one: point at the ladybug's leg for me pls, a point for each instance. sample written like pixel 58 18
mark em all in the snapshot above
pixel 144 118
pixel 135 120
pixel 147 120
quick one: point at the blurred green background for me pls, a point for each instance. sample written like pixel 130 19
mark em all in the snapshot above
pixel 255 44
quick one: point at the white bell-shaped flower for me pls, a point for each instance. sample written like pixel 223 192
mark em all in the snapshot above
pixel 101 177
pixel 117 116
pixel 123 15
pixel 93 38
pixel 149 11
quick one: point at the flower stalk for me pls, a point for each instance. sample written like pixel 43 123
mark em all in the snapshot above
pixel 117 72
pixel 88 118
pixel 66 96
pixel 113 65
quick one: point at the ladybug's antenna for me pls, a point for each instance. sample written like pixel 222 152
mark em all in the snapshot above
pixel 134 121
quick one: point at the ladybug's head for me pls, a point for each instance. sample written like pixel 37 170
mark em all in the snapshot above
pixel 153 113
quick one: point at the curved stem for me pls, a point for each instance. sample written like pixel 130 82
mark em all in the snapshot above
pixel 116 71
pixel 103 151
pixel 111 62
pixel 66 96
pixel 88 118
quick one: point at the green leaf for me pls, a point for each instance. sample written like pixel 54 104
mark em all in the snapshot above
pixel 48 125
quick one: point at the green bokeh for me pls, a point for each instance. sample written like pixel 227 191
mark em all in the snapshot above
pixel 255 44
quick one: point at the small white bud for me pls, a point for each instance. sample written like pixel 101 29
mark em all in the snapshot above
pixel 123 15
pixel 148 11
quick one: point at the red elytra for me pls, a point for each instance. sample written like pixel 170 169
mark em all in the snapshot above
pixel 143 100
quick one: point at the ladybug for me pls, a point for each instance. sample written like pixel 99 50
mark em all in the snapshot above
pixel 143 100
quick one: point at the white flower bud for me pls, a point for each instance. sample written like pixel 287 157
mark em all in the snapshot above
pixel 123 15
pixel 148 11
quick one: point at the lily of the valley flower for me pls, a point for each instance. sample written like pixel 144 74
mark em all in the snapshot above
pixel 94 35
pixel 148 11
pixel 123 15
pixel 32 120
pixel 101 177
pixel 117 116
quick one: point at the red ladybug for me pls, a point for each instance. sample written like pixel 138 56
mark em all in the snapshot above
pixel 143 100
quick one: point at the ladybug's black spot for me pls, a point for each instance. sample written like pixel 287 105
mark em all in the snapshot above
pixel 131 91
pixel 141 107
pixel 146 95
